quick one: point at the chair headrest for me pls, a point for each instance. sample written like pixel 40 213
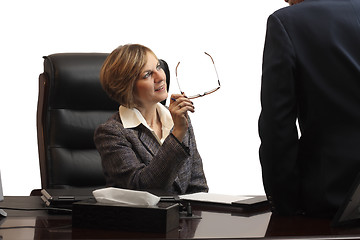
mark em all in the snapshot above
pixel 75 81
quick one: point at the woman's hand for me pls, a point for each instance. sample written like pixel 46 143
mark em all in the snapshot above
pixel 179 106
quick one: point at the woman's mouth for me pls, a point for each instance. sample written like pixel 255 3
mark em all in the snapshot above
pixel 160 88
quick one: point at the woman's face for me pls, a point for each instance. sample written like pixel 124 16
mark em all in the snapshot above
pixel 150 88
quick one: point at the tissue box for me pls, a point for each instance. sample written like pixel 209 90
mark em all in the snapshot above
pixel 161 218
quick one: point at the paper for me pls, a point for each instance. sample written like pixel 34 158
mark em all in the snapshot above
pixel 125 196
pixel 213 197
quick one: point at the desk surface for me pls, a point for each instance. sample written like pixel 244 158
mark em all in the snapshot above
pixel 216 222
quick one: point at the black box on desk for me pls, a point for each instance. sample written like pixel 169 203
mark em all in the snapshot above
pixel 161 218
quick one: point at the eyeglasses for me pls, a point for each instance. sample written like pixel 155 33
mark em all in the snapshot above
pixel 205 93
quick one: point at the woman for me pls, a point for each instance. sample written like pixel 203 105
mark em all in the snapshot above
pixel 146 146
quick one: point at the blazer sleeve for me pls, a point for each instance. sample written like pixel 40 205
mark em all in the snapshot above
pixel 277 122
pixel 198 181
pixel 123 166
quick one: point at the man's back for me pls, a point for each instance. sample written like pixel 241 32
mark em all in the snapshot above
pixel 311 71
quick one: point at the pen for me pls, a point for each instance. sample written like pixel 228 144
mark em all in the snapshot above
pixel 173 99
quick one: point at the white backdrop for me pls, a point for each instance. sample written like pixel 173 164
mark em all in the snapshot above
pixel 225 123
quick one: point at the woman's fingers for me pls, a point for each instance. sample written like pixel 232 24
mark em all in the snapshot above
pixel 179 106
pixel 181 102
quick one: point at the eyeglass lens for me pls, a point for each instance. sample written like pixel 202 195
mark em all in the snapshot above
pixel 206 92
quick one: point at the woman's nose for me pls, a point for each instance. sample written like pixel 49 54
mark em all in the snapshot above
pixel 159 75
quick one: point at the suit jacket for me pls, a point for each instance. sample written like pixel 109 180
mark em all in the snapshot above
pixel 133 159
pixel 311 74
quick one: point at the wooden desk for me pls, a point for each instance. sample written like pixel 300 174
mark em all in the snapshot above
pixel 216 222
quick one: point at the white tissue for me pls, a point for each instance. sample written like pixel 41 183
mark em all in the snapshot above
pixel 125 196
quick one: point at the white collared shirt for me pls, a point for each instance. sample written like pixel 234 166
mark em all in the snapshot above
pixel 132 118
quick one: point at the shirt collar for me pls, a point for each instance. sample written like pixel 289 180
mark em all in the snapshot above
pixel 132 118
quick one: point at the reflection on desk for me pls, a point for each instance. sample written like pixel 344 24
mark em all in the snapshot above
pixel 216 222
pixel 214 225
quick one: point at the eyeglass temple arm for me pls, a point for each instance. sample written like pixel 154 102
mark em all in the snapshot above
pixel 177 80
pixel 214 67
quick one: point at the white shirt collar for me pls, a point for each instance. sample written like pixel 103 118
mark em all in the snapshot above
pixel 132 118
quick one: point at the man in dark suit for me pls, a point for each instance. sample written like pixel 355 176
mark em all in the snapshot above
pixel 311 74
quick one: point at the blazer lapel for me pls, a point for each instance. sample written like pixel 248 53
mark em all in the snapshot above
pixel 152 145
pixel 149 141
pixel 178 184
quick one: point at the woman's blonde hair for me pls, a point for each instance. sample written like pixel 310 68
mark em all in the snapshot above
pixel 120 71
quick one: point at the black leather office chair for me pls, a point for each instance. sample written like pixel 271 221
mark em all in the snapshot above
pixel 71 105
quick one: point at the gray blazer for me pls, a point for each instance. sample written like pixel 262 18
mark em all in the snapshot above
pixel 133 159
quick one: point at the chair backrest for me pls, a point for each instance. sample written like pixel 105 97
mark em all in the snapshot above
pixel 71 105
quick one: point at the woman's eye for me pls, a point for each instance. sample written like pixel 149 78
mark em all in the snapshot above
pixel 147 75
pixel 158 67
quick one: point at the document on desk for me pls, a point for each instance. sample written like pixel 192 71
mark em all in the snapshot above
pixel 213 198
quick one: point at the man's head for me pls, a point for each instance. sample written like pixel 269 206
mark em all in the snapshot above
pixel 292 2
